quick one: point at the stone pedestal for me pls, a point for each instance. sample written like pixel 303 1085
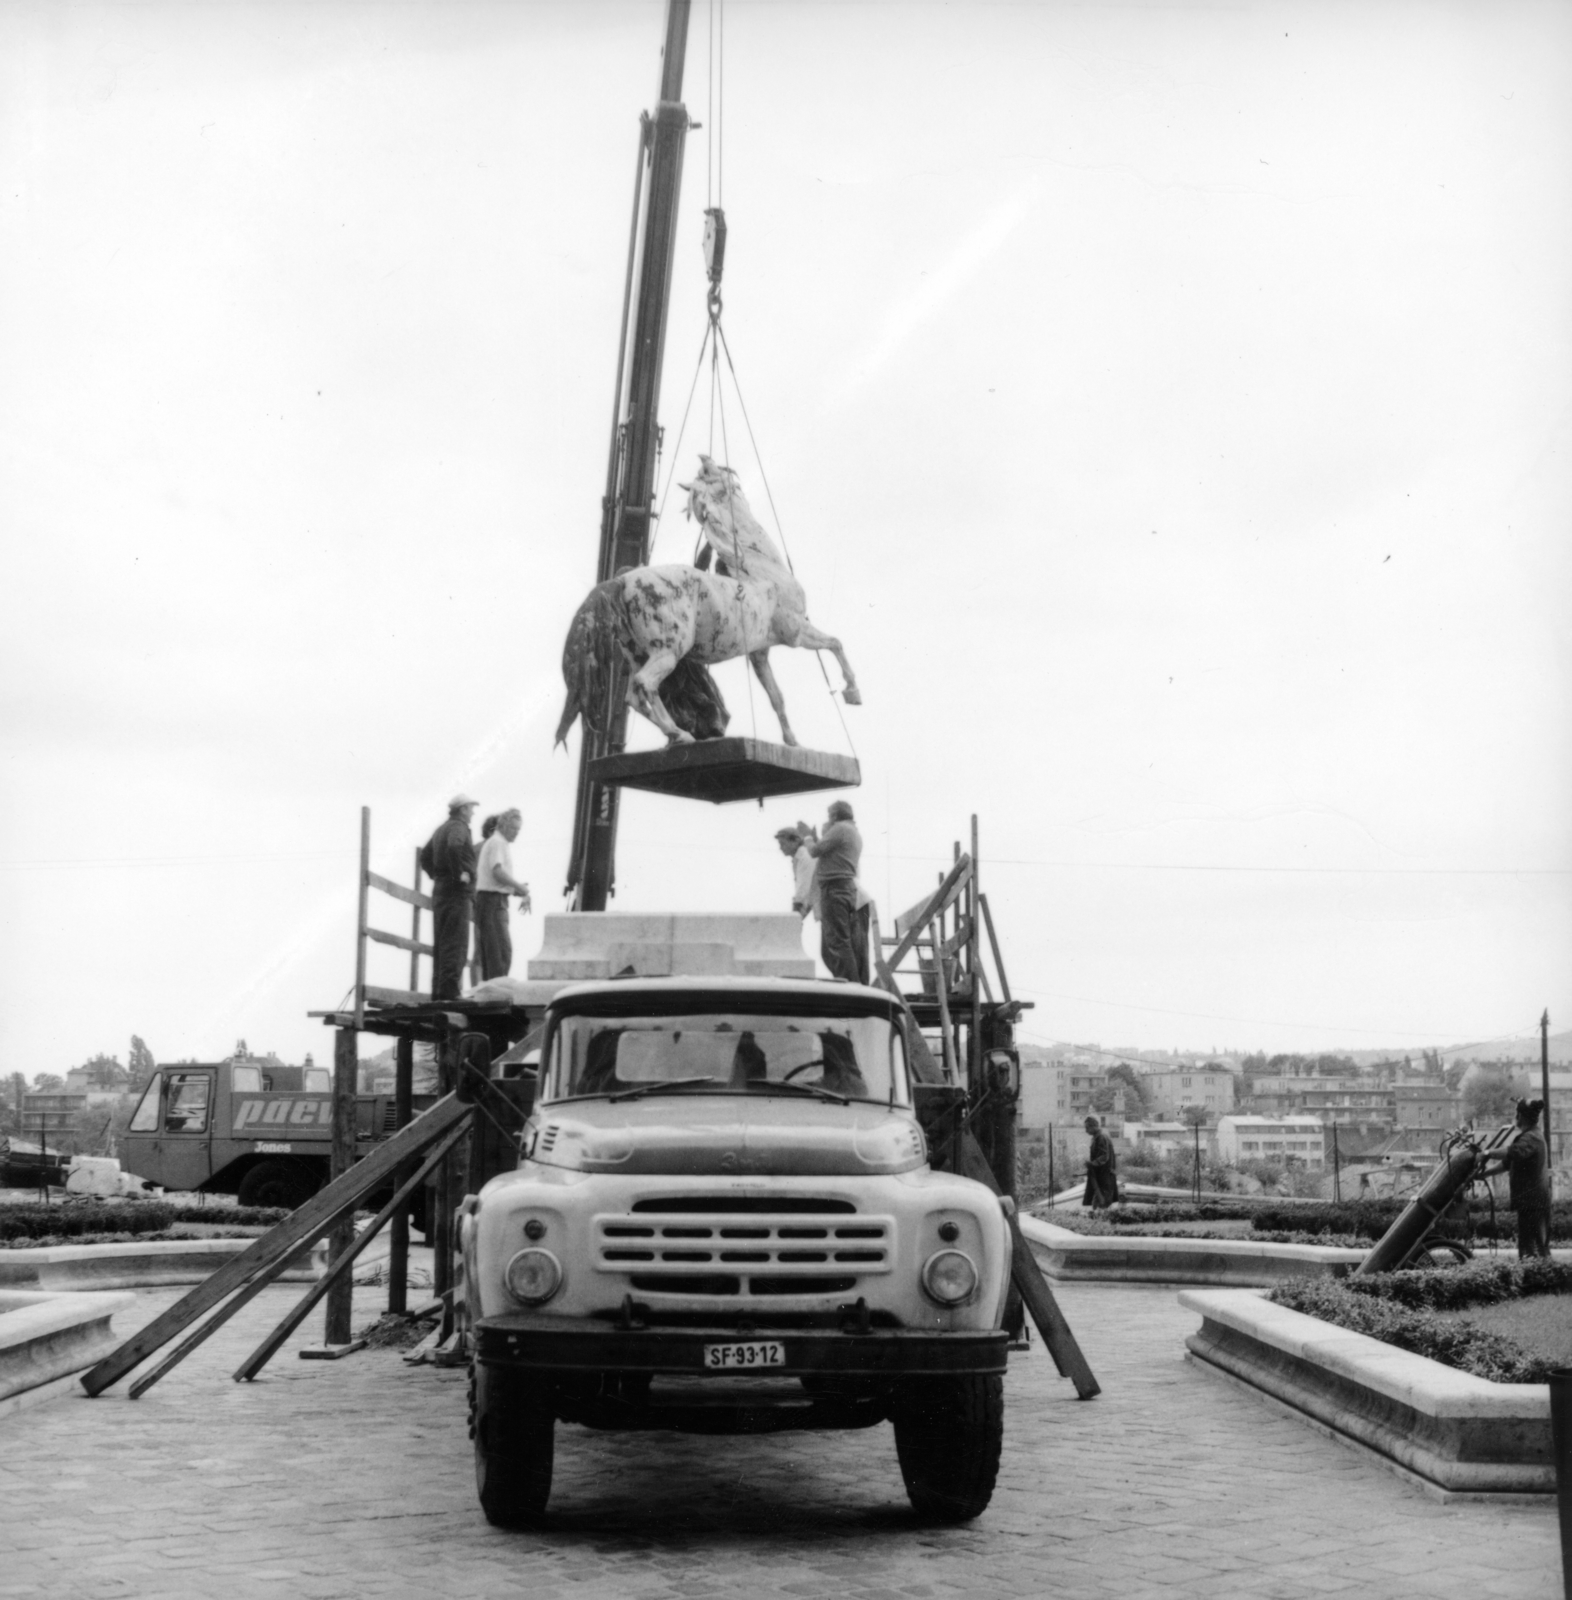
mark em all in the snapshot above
pixel 580 945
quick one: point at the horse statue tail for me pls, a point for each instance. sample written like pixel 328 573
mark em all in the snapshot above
pixel 590 656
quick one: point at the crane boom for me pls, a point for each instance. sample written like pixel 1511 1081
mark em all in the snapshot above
pixel 628 504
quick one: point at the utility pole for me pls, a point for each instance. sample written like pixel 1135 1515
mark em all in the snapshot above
pixel 1544 1094
pixel 627 507
pixel 1337 1175
pixel 1197 1128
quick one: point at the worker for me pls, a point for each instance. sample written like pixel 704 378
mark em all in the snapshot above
pixel 804 889
pixel 837 853
pixel 1102 1169
pixel 448 857
pixel 1526 1160
pixel 494 882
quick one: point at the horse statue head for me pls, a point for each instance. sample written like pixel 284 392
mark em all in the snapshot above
pixel 718 505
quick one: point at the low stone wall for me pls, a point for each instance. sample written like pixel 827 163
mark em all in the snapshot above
pixel 148 1264
pixel 1458 1432
pixel 1238 1263
pixel 48 1336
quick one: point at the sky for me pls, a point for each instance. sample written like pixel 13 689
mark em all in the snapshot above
pixel 1167 405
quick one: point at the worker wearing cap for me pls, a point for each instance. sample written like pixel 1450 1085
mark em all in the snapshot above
pixel 837 852
pixel 494 882
pixel 449 857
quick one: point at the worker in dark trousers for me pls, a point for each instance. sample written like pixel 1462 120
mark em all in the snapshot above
pixel 1526 1161
pixel 449 857
pixel 838 851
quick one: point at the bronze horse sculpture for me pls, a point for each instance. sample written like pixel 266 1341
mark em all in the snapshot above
pixel 668 624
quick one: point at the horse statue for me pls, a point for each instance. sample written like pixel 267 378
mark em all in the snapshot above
pixel 669 623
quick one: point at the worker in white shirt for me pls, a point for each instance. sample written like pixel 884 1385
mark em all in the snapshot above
pixel 494 882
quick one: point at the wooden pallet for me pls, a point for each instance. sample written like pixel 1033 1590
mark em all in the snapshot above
pixel 724 770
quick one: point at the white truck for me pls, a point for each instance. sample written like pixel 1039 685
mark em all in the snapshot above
pixel 724 1221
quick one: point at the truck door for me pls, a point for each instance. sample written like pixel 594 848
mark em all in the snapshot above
pixel 182 1150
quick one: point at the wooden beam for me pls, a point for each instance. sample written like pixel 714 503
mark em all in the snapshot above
pixel 377 995
pixel 340 1198
pixel 933 906
pixel 346 1070
pixel 993 944
pixel 410 897
pixel 204 1330
pixel 924 1067
pixel 360 918
pixel 399 942
pixel 338 1273
pixel 1032 1285
pixel 398 1234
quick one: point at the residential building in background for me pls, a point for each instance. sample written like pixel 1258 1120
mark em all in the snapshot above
pixel 1244 1137
pixel 1168 1092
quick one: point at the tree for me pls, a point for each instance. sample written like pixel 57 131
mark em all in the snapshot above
pixel 1193 1116
pixel 141 1066
pixel 1490 1095
pixel 1124 1076
pixel 105 1072
pixel 1103 1099
pixel 48 1083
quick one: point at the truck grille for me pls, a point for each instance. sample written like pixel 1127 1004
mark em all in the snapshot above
pixel 752 1247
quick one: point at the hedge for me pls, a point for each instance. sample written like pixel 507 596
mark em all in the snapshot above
pixel 1369 1219
pixel 34 1220
pixel 1404 1309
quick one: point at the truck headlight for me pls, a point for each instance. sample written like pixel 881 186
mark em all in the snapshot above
pixel 533 1276
pixel 949 1277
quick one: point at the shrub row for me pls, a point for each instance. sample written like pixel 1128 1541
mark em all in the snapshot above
pixel 34 1220
pixel 1423 1332
pixel 1369 1219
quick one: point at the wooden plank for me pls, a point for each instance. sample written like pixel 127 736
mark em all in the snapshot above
pixel 341 1154
pixel 399 942
pixel 319 1213
pixel 204 1330
pixel 933 906
pixel 360 917
pixel 410 897
pixel 376 995
pixel 338 1272
pixel 398 1234
pixel 1033 1286
pixel 958 941
pixel 993 944
pixel 924 1068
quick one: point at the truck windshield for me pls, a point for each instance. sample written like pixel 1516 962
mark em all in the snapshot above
pixel 719 1053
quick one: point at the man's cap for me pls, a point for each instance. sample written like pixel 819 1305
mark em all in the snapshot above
pixel 841 810
pixel 788 833
pixel 462 799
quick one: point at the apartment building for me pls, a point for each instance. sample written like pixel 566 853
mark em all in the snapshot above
pixel 1245 1137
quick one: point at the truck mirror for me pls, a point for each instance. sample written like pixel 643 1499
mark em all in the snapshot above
pixel 473 1061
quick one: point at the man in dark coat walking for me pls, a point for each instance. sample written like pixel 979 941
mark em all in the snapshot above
pixel 449 857
pixel 1102 1178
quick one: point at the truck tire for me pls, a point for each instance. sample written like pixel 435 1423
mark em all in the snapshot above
pixel 276 1183
pixel 513 1426
pixel 948 1436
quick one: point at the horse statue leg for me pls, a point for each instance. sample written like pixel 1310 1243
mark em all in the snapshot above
pixel 759 660
pixel 644 697
pixel 811 638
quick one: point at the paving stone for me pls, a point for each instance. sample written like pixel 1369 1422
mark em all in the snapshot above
pixel 354 1479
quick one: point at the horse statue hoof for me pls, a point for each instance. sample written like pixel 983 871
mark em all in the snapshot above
pixel 679 737
pixel 853 697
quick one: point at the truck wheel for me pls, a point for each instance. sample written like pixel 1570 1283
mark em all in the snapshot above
pixel 275 1183
pixel 948 1435
pixel 512 1423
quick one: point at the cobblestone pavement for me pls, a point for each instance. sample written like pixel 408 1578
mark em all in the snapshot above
pixel 354 1479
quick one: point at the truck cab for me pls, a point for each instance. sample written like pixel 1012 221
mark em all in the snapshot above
pixel 259 1130
pixel 724 1220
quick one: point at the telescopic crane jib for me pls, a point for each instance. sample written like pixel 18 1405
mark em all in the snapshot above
pixel 635 436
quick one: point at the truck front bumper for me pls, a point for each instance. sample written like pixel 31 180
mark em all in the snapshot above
pixel 588 1345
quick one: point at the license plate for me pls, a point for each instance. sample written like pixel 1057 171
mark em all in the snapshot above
pixel 733 1357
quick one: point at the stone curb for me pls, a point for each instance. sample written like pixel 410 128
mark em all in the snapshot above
pixel 1461 1433
pixel 45 1337
pixel 1235 1263
pixel 156 1263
